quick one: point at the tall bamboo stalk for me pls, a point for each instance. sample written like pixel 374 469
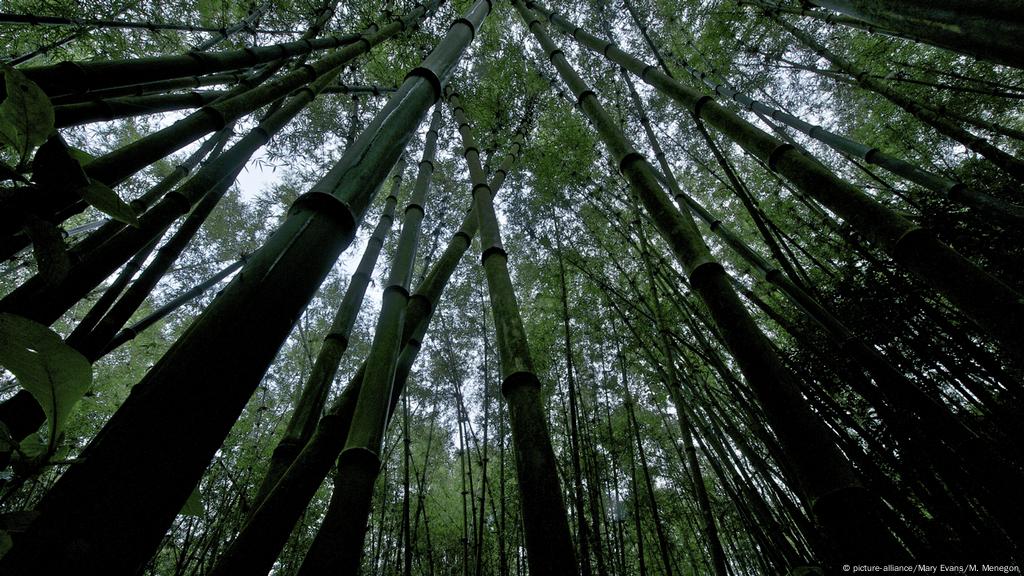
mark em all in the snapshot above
pixel 1007 162
pixel 311 401
pixel 987 29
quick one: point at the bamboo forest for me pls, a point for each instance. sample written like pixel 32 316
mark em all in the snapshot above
pixel 511 287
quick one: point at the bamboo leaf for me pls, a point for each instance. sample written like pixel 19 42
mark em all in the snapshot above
pixel 26 115
pixel 55 374
pixel 101 197
pixel 194 505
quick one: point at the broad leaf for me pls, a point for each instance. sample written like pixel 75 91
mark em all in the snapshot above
pixel 33 446
pixel 107 201
pixel 26 115
pixel 53 372
pixel 194 505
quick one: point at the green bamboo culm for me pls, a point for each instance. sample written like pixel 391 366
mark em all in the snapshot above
pixel 845 510
pixel 153 88
pixel 992 305
pixel 178 301
pixel 673 382
pixel 335 342
pixel 109 512
pixel 338 545
pixel 549 547
pixel 99 110
pixel 71 77
pixel 114 108
pixel 207 152
pixel 266 531
pixel 891 383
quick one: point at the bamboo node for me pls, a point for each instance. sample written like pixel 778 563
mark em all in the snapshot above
pixel 705 269
pixel 629 158
pixel 517 380
pixel 472 27
pixel 778 151
pixel 699 103
pixel 324 203
pixel 431 77
pixel 491 251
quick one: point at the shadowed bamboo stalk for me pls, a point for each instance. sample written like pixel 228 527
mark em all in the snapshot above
pixel 160 313
pixel 672 381
pixel 891 382
pixel 97 339
pixel 149 88
pixel 264 534
pixel 986 29
pixel 113 108
pixel 116 166
pixel 266 531
pixel 36 20
pixel 953 190
pixel 71 77
pixel 100 263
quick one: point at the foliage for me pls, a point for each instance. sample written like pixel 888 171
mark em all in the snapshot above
pixel 568 217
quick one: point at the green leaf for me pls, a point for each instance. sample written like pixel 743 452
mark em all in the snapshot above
pixel 194 505
pixel 26 115
pixel 107 201
pixel 32 446
pixel 53 372
pixel 82 156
